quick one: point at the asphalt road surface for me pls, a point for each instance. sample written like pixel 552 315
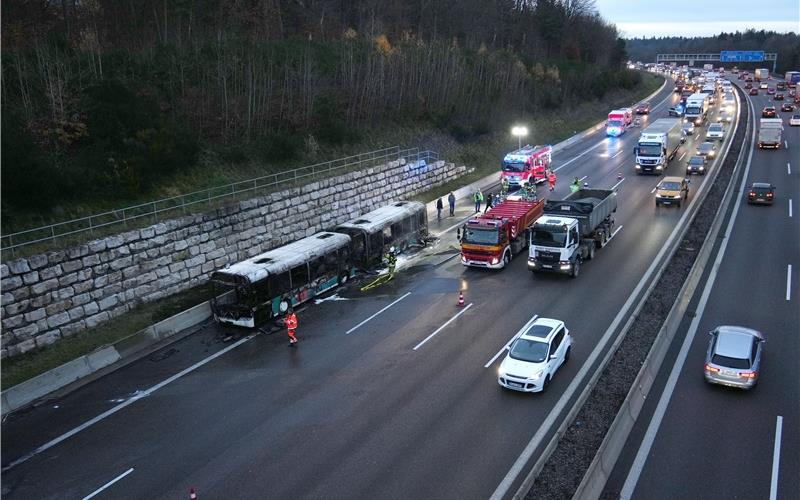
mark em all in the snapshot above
pixel 695 440
pixel 404 406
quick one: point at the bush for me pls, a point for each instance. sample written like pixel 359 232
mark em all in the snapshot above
pixel 281 145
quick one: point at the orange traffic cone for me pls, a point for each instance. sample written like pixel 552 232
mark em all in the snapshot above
pixel 460 298
pixel 192 494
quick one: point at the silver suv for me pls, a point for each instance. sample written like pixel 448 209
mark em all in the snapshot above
pixel 734 356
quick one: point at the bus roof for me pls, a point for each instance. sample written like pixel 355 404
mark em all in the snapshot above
pixel 380 218
pixel 288 256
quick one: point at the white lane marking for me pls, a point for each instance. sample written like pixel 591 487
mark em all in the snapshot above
pixel 614 234
pixel 776 459
pixel 617 184
pixel 786 144
pixel 790 207
pixel 789 282
pixel 584 153
pixel 583 178
pixel 655 421
pixel 681 158
pixel 442 327
pixel 617 153
pixel 120 406
pixel 654 189
pixel 377 313
pixel 505 347
pixel 788 168
pixel 97 491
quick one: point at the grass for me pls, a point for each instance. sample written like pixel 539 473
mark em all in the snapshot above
pixel 482 155
pixel 21 368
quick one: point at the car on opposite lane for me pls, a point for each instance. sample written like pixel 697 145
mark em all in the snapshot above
pixel 733 357
pixel 761 193
pixel 768 112
pixel 535 356
pixel 672 191
pixel 708 149
pixel 794 121
pixel 696 165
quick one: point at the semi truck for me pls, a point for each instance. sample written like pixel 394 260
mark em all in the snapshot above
pixel 618 121
pixel 571 230
pixel 697 108
pixel 657 145
pixel 526 165
pixel 769 133
pixel 762 74
pixel 792 78
pixel 491 240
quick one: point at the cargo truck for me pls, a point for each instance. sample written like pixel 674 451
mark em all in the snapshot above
pixel 769 133
pixel 697 108
pixel 657 145
pixel 792 78
pixel 570 230
pixel 491 240
pixel 762 74
pixel 618 121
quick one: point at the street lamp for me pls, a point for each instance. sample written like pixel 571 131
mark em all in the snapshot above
pixel 520 132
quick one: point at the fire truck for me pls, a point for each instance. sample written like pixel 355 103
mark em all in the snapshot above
pixel 526 165
pixel 492 239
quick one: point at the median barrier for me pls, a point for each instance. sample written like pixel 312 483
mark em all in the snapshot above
pixel 601 467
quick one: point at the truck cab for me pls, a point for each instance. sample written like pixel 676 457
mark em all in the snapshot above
pixel 526 165
pixel 553 242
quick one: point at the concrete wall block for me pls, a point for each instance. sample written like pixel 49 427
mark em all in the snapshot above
pixel 100 269
pixel 120 251
pixel 81 299
pixel 56 257
pixel 215 254
pixel 47 338
pixel 147 232
pixel 21 347
pixel 83 286
pixel 160 228
pixel 194 250
pixel 19 266
pixel 62 281
pixel 4 271
pixel 71 266
pixel 91 308
pixel 64 293
pixel 93 321
pixel 180 245
pixel 58 307
pixel 45 286
pixel 177 266
pixel 194 272
pixel 129 236
pixel 208 267
pixel 162 271
pixel 146 277
pixel 118 311
pixel 58 320
pixel 142 291
pixel 15 308
pixel 129 272
pixel 76 313
pixel 118 264
pixel 42 300
pixel 85 274
pixel 195 261
pixel 11 283
pixel 6 339
pixel 96 246
pixel 37 261
pixel 167 249
pixel 24 332
pixel 140 246
pixel 73 328
pixel 108 302
pixel 51 272
pixel 78 251
pixel 114 241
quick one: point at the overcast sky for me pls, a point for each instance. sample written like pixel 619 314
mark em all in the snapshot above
pixel 638 18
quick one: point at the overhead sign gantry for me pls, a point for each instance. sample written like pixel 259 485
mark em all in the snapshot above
pixel 723 56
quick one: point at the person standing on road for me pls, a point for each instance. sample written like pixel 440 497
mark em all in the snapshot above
pixel 504 186
pixel 489 202
pixel 451 199
pixel 477 198
pixel 575 186
pixel 439 207
pixel 291 326
pixel 551 180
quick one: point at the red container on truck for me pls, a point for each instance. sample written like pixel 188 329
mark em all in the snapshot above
pixel 491 240
pixel 526 165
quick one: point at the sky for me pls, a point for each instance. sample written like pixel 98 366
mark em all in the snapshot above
pixel 646 18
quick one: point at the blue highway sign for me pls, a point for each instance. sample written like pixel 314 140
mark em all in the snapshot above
pixel 741 55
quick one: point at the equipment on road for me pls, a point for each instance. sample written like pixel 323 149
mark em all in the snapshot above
pixel 492 239
pixel 526 165
pixel 570 230
pixel 657 145
pixel 460 298
pixel 770 131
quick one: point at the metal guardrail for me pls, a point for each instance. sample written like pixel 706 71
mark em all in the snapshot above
pixel 182 203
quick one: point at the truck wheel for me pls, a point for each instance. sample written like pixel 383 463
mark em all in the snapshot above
pixel 590 253
pixel 506 258
pixel 576 269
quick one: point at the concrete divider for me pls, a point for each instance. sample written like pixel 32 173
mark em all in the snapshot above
pixel 596 477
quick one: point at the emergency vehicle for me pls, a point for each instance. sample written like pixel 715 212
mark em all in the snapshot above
pixel 526 165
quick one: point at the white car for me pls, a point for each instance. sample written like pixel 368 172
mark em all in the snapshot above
pixel 794 121
pixel 715 131
pixel 539 350
pixel 764 86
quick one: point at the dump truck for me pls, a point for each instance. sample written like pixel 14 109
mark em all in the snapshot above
pixel 769 133
pixel 658 144
pixel 571 230
pixel 491 240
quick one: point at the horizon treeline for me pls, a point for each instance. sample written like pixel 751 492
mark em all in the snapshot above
pixel 115 95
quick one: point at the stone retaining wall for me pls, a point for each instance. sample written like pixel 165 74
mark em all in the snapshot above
pixel 49 296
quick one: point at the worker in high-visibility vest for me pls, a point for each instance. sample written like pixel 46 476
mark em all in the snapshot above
pixel 551 180
pixel 291 326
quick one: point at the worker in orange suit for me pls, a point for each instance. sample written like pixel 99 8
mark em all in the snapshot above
pixel 291 326
pixel 551 180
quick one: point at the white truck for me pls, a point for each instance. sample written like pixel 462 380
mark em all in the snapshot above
pixel 657 145
pixel 697 106
pixel 762 74
pixel 570 230
pixel 769 133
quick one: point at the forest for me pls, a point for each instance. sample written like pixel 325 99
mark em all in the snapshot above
pixel 786 45
pixel 104 99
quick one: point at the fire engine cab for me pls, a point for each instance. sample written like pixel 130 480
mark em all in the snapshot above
pixel 526 165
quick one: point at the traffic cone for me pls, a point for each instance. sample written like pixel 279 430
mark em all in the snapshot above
pixel 460 298
pixel 192 494
pixel 619 176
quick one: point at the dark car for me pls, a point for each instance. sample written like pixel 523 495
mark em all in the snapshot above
pixel 780 86
pixel 708 149
pixel 778 97
pixel 761 193
pixel 770 91
pixel 748 86
pixel 753 91
pixel 696 165
pixel 643 108
pixel 787 106
pixel 768 112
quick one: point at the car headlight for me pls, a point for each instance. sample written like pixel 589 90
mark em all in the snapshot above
pixel 702 168
pixel 658 195
pixel 495 260
pixel 658 167
pixel 537 374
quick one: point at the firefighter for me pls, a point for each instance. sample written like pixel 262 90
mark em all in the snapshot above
pixel 291 326
pixel 504 186
pixel 551 180
pixel 575 186
pixel 391 260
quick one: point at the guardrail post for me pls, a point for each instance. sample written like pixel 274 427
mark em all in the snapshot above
pixel 155 215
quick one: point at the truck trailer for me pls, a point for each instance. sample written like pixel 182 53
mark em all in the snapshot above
pixel 762 74
pixel 769 133
pixel 491 240
pixel 657 145
pixel 570 230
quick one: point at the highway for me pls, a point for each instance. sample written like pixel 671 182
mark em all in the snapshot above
pixel 406 405
pixel 694 440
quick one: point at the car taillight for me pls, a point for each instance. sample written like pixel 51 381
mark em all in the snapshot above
pixel 750 375
pixel 752 194
pixel 710 368
pixel 769 195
